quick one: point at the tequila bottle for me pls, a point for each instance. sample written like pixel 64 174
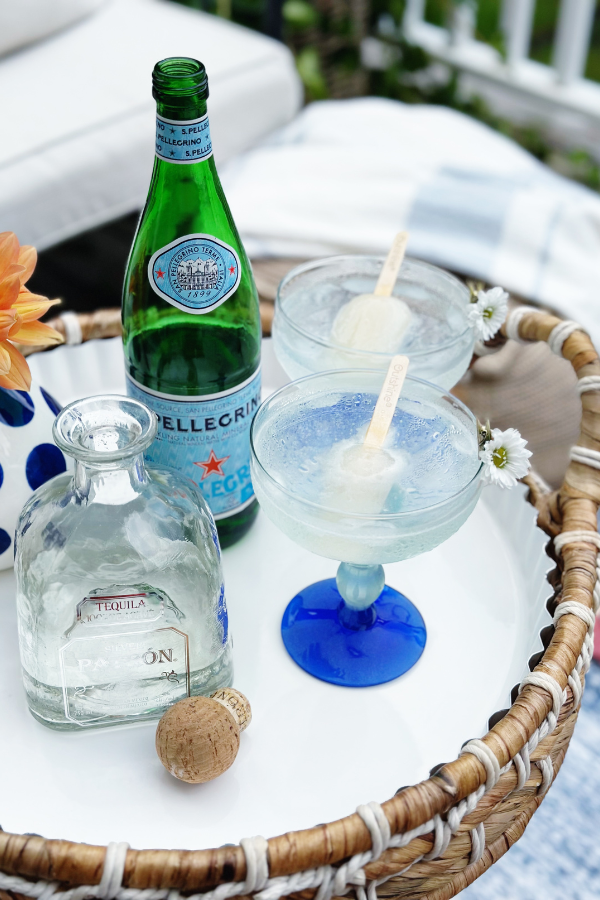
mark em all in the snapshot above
pixel 120 598
pixel 191 323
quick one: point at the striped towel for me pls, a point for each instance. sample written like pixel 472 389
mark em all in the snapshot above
pixel 346 175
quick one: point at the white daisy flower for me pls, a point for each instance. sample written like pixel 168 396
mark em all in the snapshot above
pixel 489 312
pixel 504 458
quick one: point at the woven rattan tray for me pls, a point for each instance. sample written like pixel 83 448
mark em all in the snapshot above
pixel 430 839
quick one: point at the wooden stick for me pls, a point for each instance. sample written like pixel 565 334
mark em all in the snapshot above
pixel 386 402
pixel 389 273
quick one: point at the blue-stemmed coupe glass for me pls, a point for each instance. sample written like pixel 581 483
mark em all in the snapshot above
pixel 355 630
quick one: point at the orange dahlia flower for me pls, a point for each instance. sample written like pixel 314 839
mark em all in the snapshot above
pixel 19 312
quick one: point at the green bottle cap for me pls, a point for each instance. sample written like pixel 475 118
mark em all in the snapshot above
pixel 178 77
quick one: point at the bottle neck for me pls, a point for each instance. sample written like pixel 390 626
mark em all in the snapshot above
pixel 183 131
pixel 113 485
pixel 181 109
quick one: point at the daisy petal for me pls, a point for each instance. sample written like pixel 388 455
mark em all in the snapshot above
pixel 37 334
pixel 505 458
pixel 19 376
pixel 488 313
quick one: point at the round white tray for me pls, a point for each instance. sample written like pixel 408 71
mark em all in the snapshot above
pixel 314 751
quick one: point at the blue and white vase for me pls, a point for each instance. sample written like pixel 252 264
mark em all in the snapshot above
pixel 28 456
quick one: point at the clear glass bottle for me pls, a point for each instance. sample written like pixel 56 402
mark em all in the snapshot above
pixel 120 597
pixel 191 321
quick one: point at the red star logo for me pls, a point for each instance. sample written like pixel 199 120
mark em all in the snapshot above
pixel 212 465
pixel 231 270
pixel 160 273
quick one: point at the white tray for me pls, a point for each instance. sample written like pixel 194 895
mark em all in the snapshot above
pixel 314 751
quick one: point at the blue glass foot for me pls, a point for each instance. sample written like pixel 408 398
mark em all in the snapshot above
pixel 355 648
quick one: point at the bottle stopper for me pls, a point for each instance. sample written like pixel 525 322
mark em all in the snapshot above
pixel 198 738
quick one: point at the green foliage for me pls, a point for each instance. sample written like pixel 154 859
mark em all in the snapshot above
pixel 409 81
pixel 298 14
pixel 250 13
pixel 325 36
pixel 309 69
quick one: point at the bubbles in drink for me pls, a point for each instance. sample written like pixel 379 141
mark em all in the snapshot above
pixel 434 332
pixel 427 456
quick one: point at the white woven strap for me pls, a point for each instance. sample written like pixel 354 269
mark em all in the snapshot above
pixel 585 456
pixel 560 333
pixel 376 821
pixel 576 537
pixel 324 891
pixel 514 320
pixel 549 684
pixel 573 608
pixel 73 333
pixel 257 863
pixel 523 767
pixel 477 843
pixel 49 891
pixel 487 758
pixel 547 770
pixel 441 839
pixel 588 383
pixel 112 872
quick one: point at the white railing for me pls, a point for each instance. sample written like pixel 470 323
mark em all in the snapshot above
pixel 560 85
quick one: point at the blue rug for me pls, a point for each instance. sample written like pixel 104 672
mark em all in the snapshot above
pixel 558 857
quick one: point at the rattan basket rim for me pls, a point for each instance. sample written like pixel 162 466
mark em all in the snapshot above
pixel 573 508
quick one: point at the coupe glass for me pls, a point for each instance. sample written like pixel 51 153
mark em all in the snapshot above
pixel 439 339
pixel 354 629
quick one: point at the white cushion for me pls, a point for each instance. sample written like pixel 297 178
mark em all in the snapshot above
pixel 25 21
pixel 80 147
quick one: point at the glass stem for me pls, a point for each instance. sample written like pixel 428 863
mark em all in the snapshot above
pixel 360 586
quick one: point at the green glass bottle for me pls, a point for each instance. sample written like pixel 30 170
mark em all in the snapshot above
pixel 191 322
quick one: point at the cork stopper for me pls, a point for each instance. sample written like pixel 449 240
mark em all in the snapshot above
pixel 237 705
pixel 198 738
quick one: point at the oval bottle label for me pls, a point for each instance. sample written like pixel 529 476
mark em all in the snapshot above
pixel 196 273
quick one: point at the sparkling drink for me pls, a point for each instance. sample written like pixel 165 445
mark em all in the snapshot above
pixel 409 501
pixel 191 323
pixel 438 338
pixel 324 487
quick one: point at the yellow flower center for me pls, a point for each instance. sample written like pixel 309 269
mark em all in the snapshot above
pixel 500 457
pixel 488 312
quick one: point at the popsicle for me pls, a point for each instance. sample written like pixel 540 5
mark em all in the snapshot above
pixel 357 478
pixel 376 321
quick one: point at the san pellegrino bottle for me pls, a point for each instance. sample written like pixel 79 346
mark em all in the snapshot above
pixel 191 322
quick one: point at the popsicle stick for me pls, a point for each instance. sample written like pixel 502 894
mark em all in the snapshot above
pixel 386 403
pixel 391 267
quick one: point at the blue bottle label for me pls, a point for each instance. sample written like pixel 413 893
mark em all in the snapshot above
pixel 208 439
pixel 196 273
pixel 183 142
